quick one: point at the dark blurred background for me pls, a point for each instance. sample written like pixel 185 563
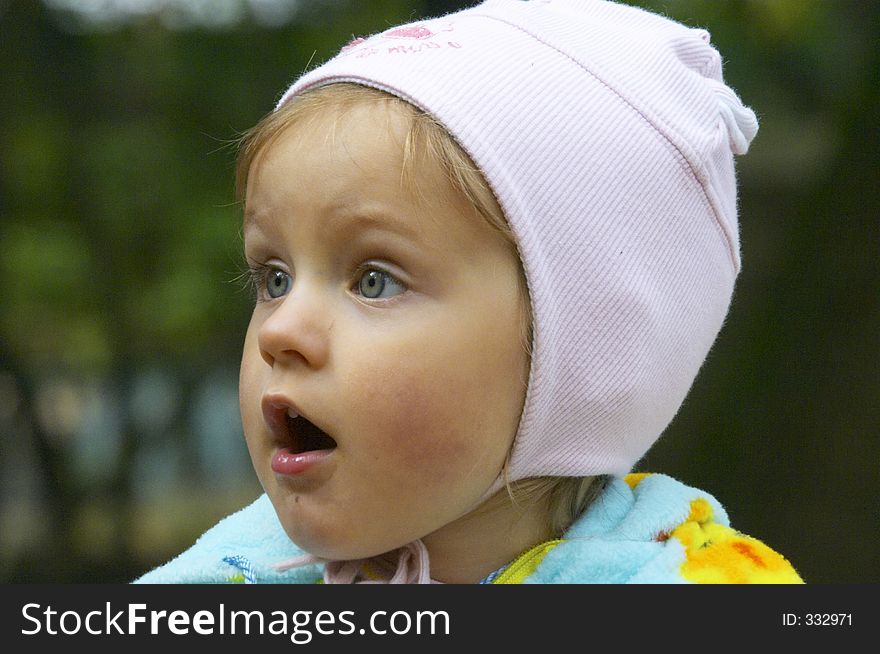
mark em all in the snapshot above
pixel 121 317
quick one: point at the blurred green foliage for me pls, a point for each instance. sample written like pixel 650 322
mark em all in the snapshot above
pixel 121 318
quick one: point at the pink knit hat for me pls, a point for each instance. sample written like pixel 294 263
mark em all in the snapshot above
pixel 607 135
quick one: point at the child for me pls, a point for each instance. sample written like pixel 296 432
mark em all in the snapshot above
pixel 491 252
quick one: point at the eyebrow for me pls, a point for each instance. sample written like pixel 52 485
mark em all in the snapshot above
pixel 376 219
pixel 339 220
pixel 250 218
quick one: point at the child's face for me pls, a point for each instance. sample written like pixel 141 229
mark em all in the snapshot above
pixel 390 319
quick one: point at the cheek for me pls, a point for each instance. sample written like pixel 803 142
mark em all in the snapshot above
pixel 424 427
pixel 250 385
pixel 436 416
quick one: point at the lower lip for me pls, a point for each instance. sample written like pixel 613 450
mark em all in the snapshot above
pixel 285 462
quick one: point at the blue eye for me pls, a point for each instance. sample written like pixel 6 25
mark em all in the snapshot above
pixel 375 284
pixel 277 283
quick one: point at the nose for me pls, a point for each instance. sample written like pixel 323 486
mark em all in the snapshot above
pixel 298 328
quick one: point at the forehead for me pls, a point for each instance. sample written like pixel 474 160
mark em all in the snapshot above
pixel 335 131
pixel 351 157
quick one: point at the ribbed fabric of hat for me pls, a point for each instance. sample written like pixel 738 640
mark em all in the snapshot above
pixel 607 135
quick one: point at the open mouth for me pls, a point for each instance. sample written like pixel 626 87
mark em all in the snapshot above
pixel 305 436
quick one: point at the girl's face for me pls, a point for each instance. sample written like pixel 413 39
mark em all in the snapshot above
pixel 388 319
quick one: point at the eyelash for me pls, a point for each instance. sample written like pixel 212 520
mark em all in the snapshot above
pixel 257 273
pixel 256 279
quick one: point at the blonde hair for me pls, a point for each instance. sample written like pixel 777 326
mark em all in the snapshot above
pixel 566 497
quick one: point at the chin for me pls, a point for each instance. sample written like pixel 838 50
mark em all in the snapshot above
pixel 311 531
pixel 322 542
